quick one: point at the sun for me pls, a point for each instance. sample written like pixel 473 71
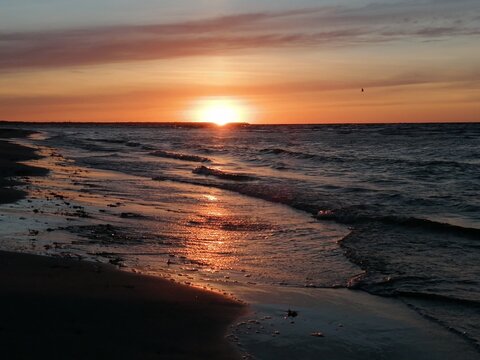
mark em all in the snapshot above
pixel 220 111
pixel 220 114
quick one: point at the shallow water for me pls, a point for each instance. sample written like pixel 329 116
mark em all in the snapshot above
pixel 409 192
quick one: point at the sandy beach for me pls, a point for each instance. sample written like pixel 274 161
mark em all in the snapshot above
pixel 66 309
pixel 9 166
pixel 66 305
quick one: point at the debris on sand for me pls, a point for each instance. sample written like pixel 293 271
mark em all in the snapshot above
pixel 292 313
pixel 116 261
pixel 105 234
pixel 129 215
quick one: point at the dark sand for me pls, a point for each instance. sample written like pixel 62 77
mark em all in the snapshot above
pixel 10 155
pixel 55 308
pixel 52 308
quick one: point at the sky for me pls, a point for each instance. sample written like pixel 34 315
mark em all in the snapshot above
pixel 280 61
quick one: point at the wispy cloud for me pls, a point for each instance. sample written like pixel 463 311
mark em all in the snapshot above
pixel 466 78
pixel 322 26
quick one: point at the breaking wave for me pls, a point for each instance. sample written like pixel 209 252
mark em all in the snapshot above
pixel 179 156
pixel 225 175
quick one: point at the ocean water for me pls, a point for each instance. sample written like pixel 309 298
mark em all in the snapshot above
pixel 390 209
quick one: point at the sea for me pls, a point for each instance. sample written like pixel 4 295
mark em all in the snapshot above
pixel 392 210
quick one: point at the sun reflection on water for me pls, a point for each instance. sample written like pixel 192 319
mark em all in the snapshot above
pixel 210 197
pixel 210 242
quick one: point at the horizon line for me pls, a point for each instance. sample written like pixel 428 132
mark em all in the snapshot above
pixel 235 124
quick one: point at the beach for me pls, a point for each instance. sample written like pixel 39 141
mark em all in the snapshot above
pixel 66 309
pixel 103 263
pixel 251 180
pixel 10 167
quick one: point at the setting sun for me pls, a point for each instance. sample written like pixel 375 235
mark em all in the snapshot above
pixel 220 111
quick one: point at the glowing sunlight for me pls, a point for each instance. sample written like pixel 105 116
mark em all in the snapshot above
pixel 220 111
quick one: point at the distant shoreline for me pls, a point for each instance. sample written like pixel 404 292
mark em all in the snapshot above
pixel 208 124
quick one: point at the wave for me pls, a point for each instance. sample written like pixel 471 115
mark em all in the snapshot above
pixel 204 170
pixel 439 298
pixel 125 142
pixel 179 156
pixel 95 147
pixel 300 154
pixel 280 151
pixel 428 264
pixel 351 215
pixel 458 165
pixel 133 144
pixel 354 215
pixel 110 141
pixel 319 209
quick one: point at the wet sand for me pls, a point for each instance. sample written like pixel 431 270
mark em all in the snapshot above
pixel 340 324
pixel 59 308
pixel 65 309
pixel 68 309
pixel 11 154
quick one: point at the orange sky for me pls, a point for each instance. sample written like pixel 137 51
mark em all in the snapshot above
pixel 287 64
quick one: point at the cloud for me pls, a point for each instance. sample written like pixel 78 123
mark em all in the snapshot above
pixel 464 78
pixel 159 103
pixel 303 28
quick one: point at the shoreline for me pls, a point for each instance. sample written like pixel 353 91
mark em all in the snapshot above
pixel 359 313
pixel 12 154
pixel 64 308
pixel 341 324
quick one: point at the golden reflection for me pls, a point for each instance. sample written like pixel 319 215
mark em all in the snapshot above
pixel 211 240
pixel 211 197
